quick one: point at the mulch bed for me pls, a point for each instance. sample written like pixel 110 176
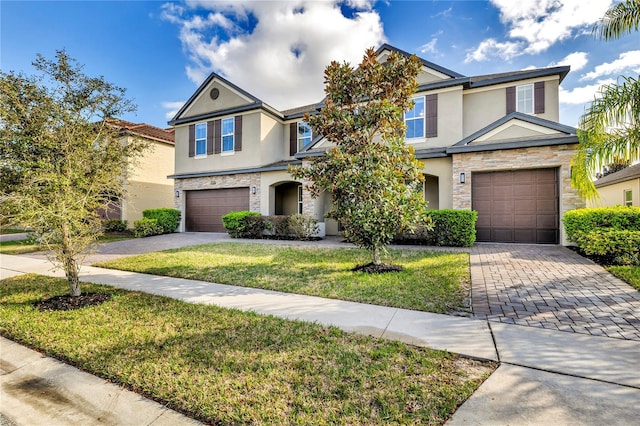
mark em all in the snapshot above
pixel 372 268
pixel 68 302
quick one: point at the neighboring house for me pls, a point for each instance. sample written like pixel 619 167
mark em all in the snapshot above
pixel 147 184
pixel 620 188
pixel 491 143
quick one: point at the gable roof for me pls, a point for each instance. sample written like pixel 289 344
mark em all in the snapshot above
pixel 426 63
pixel 566 135
pixel 145 130
pixel 255 103
pixel 631 172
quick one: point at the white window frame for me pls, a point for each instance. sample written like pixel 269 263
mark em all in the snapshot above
pixel 300 199
pixel 629 202
pixel 422 117
pixel 528 102
pixel 226 135
pixel 303 140
pixel 202 140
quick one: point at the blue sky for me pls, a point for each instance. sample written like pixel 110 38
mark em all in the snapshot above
pixel 277 50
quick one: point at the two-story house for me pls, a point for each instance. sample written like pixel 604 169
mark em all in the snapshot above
pixel 147 186
pixel 491 143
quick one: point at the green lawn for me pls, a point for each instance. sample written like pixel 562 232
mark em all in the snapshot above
pixel 230 367
pixel 432 281
pixel 630 274
pixel 25 246
pixel 11 231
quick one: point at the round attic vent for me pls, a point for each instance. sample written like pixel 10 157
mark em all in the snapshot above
pixel 214 93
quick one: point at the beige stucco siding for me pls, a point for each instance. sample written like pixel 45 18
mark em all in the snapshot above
pixel 486 105
pixel 512 159
pixel 271 136
pixel 613 195
pixel 449 119
pixel 442 169
pixel 248 157
pixel 203 104
pixel 147 184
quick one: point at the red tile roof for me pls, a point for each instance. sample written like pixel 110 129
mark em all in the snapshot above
pixel 147 130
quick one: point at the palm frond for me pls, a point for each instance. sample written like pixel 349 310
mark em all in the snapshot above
pixel 621 19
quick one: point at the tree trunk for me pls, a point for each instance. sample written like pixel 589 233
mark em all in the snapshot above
pixel 71 267
pixel 376 256
pixel 72 272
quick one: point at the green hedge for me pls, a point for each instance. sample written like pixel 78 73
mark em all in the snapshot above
pixel 619 218
pixel 115 225
pixel 167 219
pixel 146 227
pixel 451 228
pixel 235 224
pixel 611 247
pixel 608 235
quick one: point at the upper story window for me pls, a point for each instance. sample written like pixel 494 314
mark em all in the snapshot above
pixel 227 134
pixel 304 134
pixel 414 119
pixel 524 99
pixel 628 198
pixel 201 139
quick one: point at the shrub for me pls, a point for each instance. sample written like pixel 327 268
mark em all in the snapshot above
pixel 278 226
pixel 611 246
pixel 582 221
pixel 303 227
pixel 115 225
pixel 254 226
pixel 167 219
pixel 235 224
pixel 146 227
pixel 451 228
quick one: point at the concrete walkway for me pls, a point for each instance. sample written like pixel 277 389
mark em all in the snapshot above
pixel 546 376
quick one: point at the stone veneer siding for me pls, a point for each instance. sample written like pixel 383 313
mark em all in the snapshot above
pixel 249 180
pixel 513 159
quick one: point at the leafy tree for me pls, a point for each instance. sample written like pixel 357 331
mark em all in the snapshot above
pixel 617 165
pixel 610 127
pixel 61 159
pixel 371 174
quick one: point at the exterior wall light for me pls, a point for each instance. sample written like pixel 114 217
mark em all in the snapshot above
pixel 463 177
pixel 253 189
pixel 177 193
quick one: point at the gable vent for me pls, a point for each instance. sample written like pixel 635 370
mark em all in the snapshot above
pixel 214 93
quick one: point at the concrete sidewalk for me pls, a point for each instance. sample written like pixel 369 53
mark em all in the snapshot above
pixel 546 377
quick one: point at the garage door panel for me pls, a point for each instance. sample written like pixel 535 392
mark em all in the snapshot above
pixel 205 208
pixel 517 205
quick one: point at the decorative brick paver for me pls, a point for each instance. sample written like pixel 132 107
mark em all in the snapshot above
pixel 554 288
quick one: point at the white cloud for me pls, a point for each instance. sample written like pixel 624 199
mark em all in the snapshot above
pixel 576 60
pixel 581 95
pixel 535 25
pixel 627 61
pixel 491 47
pixel 172 108
pixel 429 47
pixel 280 59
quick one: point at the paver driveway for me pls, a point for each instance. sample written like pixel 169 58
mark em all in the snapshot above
pixel 551 287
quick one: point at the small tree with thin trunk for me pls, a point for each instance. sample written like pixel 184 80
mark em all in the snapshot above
pixel 61 160
pixel 371 174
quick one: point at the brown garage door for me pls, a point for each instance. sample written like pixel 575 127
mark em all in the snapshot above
pixel 204 209
pixel 518 206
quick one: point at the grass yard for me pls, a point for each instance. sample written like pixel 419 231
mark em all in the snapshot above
pixel 432 281
pixel 630 274
pixel 230 367
pixel 26 246
pixel 11 231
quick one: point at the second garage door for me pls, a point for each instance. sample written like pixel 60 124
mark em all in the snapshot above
pixel 517 206
pixel 205 208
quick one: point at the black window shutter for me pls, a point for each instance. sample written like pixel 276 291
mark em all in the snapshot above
pixel 209 137
pixel 192 140
pixel 293 138
pixel 511 99
pixel 237 143
pixel 217 138
pixel 431 116
pixel 538 96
